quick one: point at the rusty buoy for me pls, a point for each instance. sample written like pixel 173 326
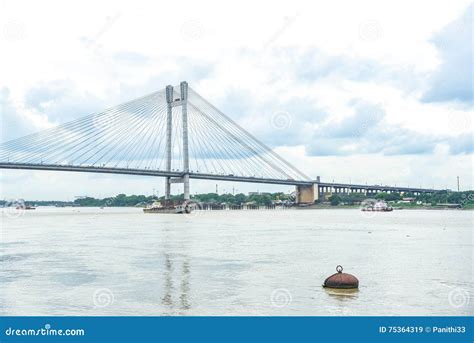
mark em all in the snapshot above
pixel 341 280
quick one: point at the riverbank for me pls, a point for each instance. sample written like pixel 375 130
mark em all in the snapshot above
pixel 394 206
pixel 338 200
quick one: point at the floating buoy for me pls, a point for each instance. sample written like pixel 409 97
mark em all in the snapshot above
pixel 341 280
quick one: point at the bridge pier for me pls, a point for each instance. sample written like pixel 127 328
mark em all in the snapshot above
pixel 305 194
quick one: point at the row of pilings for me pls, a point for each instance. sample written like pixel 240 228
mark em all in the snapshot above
pixel 220 207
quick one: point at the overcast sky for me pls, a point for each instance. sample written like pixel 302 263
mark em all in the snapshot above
pixel 353 91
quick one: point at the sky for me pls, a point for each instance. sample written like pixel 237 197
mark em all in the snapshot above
pixel 366 91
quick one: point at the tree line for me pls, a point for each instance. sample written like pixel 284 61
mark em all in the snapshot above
pixel 465 199
pixel 211 198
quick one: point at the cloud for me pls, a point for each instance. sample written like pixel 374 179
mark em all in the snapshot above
pixel 13 123
pixel 292 88
pixel 314 64
pixel 177 70
pixel 462 144
pixel 365 117
pixel 276 122
pixel 61 101
pixel 131 57
pixel 368 132
pixel 453 79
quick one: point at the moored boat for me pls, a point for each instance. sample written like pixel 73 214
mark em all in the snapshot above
pixel 169 207
pixel 378 206
pixel 25 207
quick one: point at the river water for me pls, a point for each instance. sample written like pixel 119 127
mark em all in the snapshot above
pixel 120 261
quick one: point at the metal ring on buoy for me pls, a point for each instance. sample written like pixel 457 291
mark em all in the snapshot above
pixel 339 268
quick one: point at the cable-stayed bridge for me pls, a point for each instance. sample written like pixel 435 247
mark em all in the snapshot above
pixel 173 133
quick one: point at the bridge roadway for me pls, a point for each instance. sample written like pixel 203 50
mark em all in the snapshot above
pixel 323 187
pixel 150 172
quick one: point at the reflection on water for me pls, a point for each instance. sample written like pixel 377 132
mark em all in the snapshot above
pixel 185 287
pixel 168 284
pixel 341 294
pixel 167 300
pixel 55 261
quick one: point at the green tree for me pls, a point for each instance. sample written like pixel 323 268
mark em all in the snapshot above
pixel 335 200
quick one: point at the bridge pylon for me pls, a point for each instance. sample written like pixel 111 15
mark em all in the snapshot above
pixel 183 102
pixel 169 128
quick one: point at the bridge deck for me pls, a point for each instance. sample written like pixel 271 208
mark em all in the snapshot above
pixel 217 177
pixel 149 172
pixel 378 187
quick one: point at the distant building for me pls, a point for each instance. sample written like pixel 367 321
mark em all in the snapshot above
pixel 407 200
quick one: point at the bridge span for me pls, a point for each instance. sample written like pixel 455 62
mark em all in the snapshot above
pixel 306 191
pixel 173 133
pixel 167 174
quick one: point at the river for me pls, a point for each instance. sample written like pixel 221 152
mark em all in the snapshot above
pixel 120 261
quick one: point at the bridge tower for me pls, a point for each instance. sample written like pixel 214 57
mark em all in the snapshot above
pixel 183 102
pixel 169 128
pixel 184 108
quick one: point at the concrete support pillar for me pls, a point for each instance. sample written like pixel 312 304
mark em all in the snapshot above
pixel 169 127
pixel 184 108
pixel 305 194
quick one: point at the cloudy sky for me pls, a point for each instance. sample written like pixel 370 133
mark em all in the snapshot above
pixel 366 91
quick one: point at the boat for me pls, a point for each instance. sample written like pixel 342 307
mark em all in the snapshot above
pixel 377 206
pixel 25 207
pixel 169 206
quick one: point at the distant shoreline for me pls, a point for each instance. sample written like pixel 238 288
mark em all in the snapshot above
pixel 395 208
pixel 309 207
